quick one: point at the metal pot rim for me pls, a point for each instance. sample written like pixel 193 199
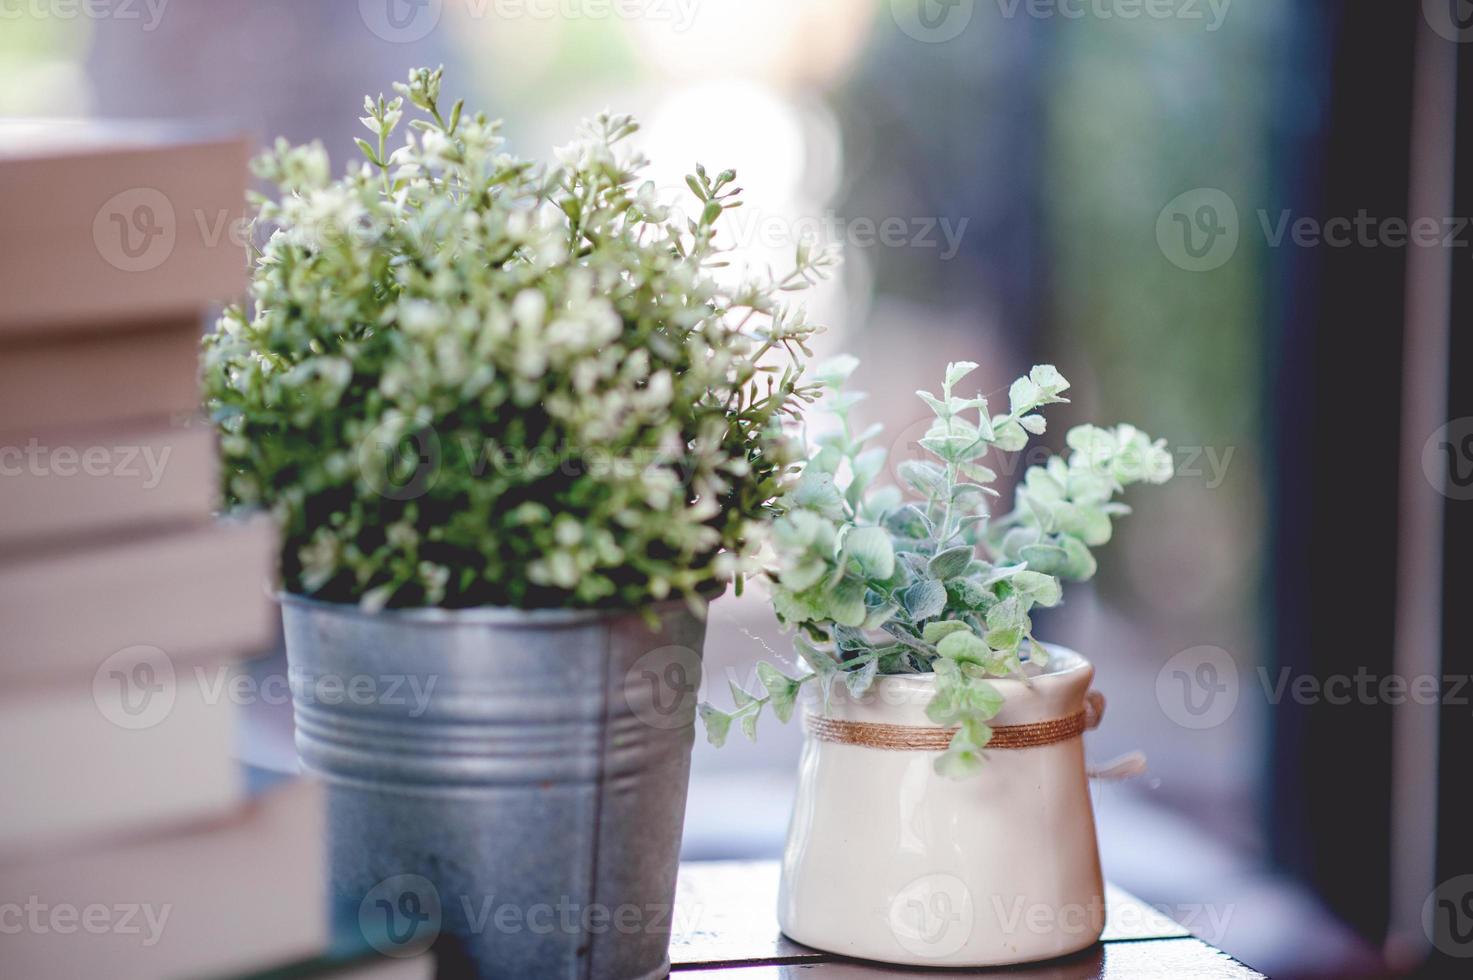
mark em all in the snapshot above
pixel 477 615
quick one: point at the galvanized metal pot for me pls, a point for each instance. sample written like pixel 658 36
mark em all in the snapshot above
pixel 507 786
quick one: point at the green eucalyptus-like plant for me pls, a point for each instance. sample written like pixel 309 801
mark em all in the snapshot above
pixel 472 379
pixel 878 583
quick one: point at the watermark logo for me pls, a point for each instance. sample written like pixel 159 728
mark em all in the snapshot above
pixel 397 463
pixel 41 918
pixel 401 21
pixel 1450 19
pixel 1198 687
pixel 401 915
pixel 933 916
pixel 134 230
pixel 142 464
pixel 661 687
pixel 1447 917
pixel 150 12
pixel 1447 459
pixel 1198 229
pixel 932 21
pixel 135 688
pixel 750 227
pixel 1211 13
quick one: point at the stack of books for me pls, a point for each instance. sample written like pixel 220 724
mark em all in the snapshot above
pixel 129 846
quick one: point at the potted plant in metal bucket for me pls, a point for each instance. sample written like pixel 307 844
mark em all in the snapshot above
pixel 516 432
pixel 943 815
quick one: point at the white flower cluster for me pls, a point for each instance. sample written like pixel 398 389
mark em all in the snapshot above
pixel 450 348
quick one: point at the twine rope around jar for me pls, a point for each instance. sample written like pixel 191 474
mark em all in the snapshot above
pixel 915 738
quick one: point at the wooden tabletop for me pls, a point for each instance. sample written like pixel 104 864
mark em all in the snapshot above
pixel 725 928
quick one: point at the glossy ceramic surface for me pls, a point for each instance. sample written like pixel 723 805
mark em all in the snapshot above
pixel 887 861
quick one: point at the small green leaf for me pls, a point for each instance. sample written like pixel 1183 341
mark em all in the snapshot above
pixel 1046 558
pixel 739 697
pixel 1039 589
pixel 957 370
pixel 925 478
pixel 936 631
pixel 859 680
pixel 748 719
pixel 846 603
pixel 817 492
pixel 871 547
pixel 1008 614
pixel 368 151
pixel 950 563
pixel 880 615
pixel 1011 436
pixel 782 690
pixel 938 406
pixel 803 575
pixel 717 722
pixel 1048 378
pixel 969 593
pixel 1004 640
pixel 1079 564
pixel 977 472
pixel 924 600
pixel 1003 573
pixel 964 647
pixel 958 763
pixel 1023 395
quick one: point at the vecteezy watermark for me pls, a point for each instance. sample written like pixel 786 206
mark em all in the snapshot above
pixel 1210 464
pixel 135 688
pixel 1198 229
pixel 932 916
pixel 932 21
pixel 935 21
pixel 1447 917
pixel 149 12
pixel 401 916
pixel 1447 459
pixel 485 913
pixel 1198 687
pixel 1211 12
pixel 1363 230
pixel 748 227
pixel 1018 915
pixel 142 463
pixel 135 229
pixel 404 914
pixel 400 461
pixel 406 21
pixel 1365 688
pixel 1450 19
pixel 412 692
pixel 41 918
pixel 661 687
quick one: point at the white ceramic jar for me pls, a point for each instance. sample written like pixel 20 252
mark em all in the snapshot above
pixel 888 861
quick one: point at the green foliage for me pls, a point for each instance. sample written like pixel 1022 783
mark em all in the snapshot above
pixel 878 584
pixel 470 379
